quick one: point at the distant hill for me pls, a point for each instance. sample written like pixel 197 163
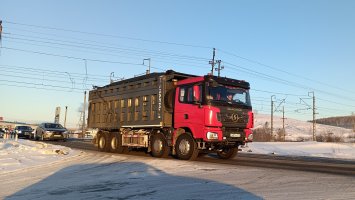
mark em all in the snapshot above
pixel 297 130
pixel 342 121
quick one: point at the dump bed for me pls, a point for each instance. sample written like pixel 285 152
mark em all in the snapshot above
pixel 144 101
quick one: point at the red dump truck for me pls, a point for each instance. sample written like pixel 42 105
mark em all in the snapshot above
pixel 172 113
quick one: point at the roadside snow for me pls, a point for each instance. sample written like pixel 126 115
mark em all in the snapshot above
pixel 309 149
pixel 25 153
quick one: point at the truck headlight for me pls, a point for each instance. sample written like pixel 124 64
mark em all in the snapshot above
pixel 212 136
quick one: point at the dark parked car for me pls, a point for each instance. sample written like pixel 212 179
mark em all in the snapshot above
pixel 23 131
pixel 51 131
pixel 2 132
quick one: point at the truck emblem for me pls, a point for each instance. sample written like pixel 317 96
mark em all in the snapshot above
pixel 235 117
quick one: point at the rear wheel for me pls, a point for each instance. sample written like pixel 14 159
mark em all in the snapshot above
pixel 116 144
pixel 186 147
pixel 102 143
pixel 158 145
pixel 227 152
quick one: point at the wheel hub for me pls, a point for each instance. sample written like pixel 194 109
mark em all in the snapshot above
pixel 158 145
pixel 184 147
pixel 114 143
pixel 102 142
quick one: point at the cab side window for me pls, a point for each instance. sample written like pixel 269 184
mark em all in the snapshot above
pixel 190 94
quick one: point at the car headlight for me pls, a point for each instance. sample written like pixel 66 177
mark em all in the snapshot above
pixel 49 133
pixel 212 136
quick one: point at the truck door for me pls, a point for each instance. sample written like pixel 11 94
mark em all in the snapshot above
pixel 188 110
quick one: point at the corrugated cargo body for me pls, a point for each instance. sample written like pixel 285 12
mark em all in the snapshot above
pixel 136 102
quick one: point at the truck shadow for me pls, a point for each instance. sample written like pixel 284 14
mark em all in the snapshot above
pixel 126 180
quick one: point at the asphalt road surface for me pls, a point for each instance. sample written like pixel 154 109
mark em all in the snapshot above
pixel 323 165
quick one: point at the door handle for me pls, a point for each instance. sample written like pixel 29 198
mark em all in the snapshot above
pixel 186 116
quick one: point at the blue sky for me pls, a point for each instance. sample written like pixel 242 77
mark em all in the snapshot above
pixel 283 48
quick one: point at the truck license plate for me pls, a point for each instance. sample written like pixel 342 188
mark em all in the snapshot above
pixel 235 135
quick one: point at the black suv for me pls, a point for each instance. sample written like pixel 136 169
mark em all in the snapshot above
pixel 23 131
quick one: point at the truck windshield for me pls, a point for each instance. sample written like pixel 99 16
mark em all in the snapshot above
pixel 228 94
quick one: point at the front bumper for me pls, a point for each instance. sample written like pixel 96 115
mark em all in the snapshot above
pixel 55 136
pixel 239 135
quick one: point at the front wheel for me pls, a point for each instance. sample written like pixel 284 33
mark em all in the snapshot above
pixel 227 152
pixel 186 147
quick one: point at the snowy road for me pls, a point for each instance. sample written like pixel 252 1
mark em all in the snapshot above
pixel 95 175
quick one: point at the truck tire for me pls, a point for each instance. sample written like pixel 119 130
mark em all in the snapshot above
pixel 116 144
pixel 102 142
pixel 158 145
pixel 186 147
pixel 228 152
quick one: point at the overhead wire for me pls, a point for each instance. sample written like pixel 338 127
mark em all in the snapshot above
pixel 283 71
pixel 108 35
pixel 246 70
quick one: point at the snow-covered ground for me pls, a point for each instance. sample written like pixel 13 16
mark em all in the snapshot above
pixel 297 130
pixel 308 149
pixel 22 154
pixel 35 170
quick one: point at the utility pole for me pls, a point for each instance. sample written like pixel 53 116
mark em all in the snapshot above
pixel 0 35
pixel 314 114
pixel 272 115
pixel 219 67
pixel 83 127
pixel 0 29
pixel 212 62
pixel 112 74
pixel 65 117
pixel 283 123
pixel 147 59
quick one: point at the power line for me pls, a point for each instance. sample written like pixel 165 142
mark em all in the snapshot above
pixel 50 73
pixel 276 79
pixel 102 47
pixel 108 35
pixel 34 87
pixel 270 92
pixel 39 84
pixel 283 71
pixel 110 54
pixel 71 57
pixel 257 74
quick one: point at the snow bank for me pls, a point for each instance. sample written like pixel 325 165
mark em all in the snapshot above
pixel 25 153
pixel 310 149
